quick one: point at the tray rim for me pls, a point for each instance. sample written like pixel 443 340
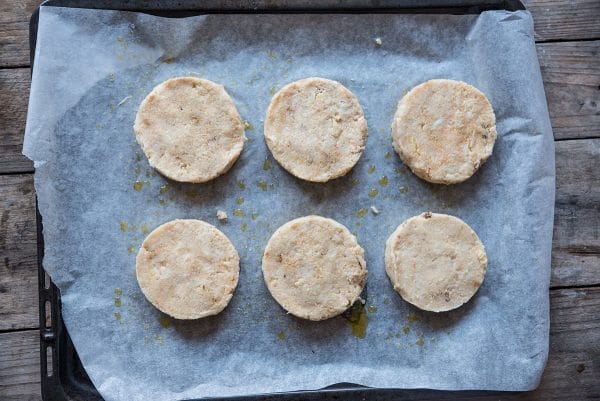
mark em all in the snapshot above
pixel 55 387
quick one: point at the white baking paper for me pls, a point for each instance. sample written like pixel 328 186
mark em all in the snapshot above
pixel 92 70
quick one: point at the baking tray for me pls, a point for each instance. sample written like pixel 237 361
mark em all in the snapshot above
pixel 62 374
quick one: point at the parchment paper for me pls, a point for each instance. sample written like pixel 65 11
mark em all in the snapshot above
pixel 92 70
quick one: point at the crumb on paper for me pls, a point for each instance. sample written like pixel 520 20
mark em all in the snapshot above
pixel 374 210
pixel 221 215
pixel 378 41
pixel 125 99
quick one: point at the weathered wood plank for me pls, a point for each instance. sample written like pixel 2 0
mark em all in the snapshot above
pixel 14 31
pixel 18 251
pixel 20 366
pixel 14 96
pixel 572 371
pixel 564 19
pixel 576 239
pixel 576 245
pixel 571 74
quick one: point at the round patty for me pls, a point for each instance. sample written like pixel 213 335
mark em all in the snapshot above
pixel 188 269
pixel 315 128
pixel 189 129
pixel 444 130
pixel 435 261
pixel 314 268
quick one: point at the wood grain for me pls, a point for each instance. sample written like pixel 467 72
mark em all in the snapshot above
pixel 576 239
pixel 571 373
pixel 18 251
pixel 14 96
pixel 564 19
pixel 20 366
pixel 14 31
pixel 571 74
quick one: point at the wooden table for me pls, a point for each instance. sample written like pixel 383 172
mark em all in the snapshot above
pixel 568 44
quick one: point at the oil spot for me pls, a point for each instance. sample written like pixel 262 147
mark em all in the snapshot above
pixel 413 318
pixel 281 335
pixel 372 309
pixel 383 181
pixel 123 225
pixel 406 330
pixel 420 342
pixel 164 321
pixel 262 184
pixel 239 200
pixel 403 190
pixel 362 213
pixel 373 192
pixel 138 185
pixel 371 169
pixel 239 213
pixel 267 165
pixel 358 320
pixel 117 316
pixel 164 188
pixel 244 227
pixel 388 155
pixel 241 185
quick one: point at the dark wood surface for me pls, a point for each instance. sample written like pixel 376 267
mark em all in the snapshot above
pixel 568 36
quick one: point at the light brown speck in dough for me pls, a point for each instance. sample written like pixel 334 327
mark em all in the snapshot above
pixel 189 129
pixel 316 129
pixel 435 261
pixel 444 130
pixel 188 269
pixel 314 267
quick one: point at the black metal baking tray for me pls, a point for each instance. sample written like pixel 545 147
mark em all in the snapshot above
pixel 63 377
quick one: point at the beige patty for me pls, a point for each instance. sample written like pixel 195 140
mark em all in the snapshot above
pixel 314 268
pixel 315 129
pixel 188 269
pixel 435 261
pixel 189 129
pixel 444 130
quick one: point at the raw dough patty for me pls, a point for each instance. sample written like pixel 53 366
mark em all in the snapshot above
pixel 188 269
pixel 314 268
pixel 444 130
pixel 435 261
pixel 189 129
pixel 315 129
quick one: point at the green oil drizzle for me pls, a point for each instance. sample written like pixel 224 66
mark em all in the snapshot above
pixel 123 225
pixel 118 302
pixel 241 185
pixel 130 249
pixel 371 169
pixel 358 320
pixel 262 184
pixel 244 227
pixel 406 329
pixel 383 181
pixel 271 54
pixel 164 188
pixel 281 335
pixel 239 213
pixel 271 90
pixel 118 292
pixel 248 126
pixel 413 318
pixel 362 213
pixel 117 316
pixel 254 216
pixel 420 342
pixel 373 192
pixel 144 229
pixel 355 181
pixel 138 185
pixel 403 190
pixel 388 155
pixel 267 165
pixel 164 321
pixel 239 200
pixel 372 309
